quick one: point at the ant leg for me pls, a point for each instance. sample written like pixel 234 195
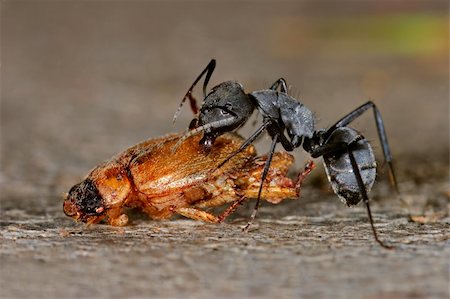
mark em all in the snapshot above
pixel 330 148
pixel 274 130
pixel 381 133
pixel 208 70
pixel 280 83
pixel 365 197
pixel 287 145
pixel 263 178
pixel 246 143
pixel 337 147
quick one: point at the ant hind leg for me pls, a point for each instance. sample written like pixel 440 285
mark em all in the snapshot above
pixel 344 121
pixel 363 192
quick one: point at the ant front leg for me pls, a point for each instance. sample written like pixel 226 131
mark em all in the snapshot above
pixel 246 143
pixel 208 70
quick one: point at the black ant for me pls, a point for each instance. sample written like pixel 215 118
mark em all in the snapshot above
pixel 348 157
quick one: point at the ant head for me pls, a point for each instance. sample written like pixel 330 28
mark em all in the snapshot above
pixel 224 109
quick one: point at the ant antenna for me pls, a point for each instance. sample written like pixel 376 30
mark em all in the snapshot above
pixel 208 70
pixel 200 129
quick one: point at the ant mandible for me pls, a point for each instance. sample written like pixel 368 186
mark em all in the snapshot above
pixel 348 156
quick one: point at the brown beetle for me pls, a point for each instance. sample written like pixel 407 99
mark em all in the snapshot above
pixel 152 177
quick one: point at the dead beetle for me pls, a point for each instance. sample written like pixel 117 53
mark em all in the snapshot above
pixel 149 176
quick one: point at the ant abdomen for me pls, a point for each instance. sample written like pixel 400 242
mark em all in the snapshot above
pixel 339 168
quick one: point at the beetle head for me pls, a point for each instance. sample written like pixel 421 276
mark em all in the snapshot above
pixel 85 203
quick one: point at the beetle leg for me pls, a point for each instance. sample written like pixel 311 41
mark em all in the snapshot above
pixel 196 214
pixel 231 209
pixel 116 217
pixel 208 217
pixel 277 186
pixel 302 175
pixel 216 201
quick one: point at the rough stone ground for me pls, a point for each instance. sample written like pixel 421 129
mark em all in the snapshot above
pixel 316 249
pixel 84 80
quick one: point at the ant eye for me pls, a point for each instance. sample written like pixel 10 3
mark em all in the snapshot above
pixel 228 108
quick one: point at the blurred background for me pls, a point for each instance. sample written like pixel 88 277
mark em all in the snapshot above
pixel 83 80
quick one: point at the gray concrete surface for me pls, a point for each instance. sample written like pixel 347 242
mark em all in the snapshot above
pixel 81 81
